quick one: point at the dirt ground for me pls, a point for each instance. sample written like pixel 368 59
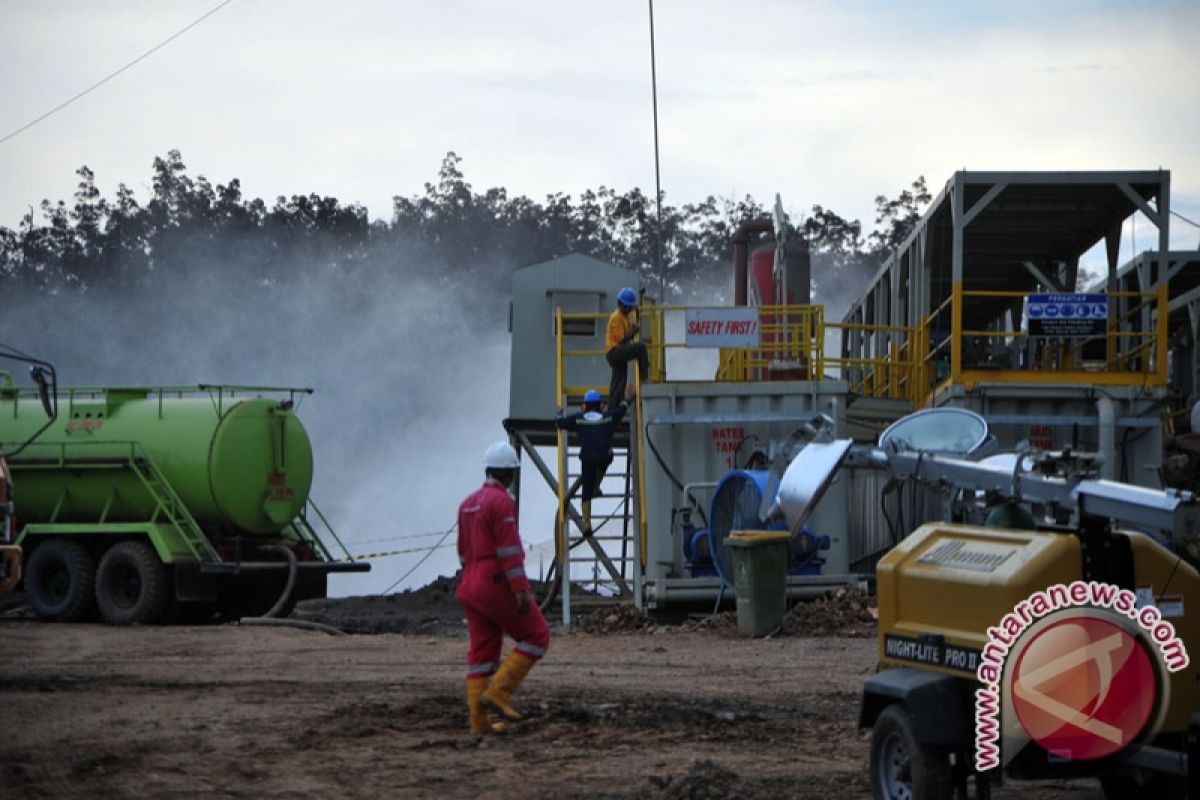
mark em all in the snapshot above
pixel 237 711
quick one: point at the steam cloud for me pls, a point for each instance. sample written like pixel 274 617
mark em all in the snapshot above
pixel 410 373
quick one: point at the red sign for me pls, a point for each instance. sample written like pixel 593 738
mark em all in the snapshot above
pixel 726 441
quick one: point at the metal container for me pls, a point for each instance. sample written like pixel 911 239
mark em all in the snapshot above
pixel 695 433
pixel 242 465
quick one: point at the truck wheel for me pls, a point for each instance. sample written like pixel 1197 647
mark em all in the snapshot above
pixel 131 585
pixel 902 769
pixel 60 580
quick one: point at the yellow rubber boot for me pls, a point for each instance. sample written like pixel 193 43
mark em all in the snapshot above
pixel 480 723
pixel 587 518
pixel 504 683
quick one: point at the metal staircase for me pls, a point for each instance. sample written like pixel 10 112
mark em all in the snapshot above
pixel 170 507
pixel 600 567
pixel 604 568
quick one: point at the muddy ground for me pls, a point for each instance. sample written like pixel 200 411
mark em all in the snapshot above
pixel 667 711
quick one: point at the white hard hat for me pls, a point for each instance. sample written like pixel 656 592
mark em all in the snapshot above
pixel 501 455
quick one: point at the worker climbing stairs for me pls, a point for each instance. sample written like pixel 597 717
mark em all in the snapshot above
pixel 598 534
pixel 598 542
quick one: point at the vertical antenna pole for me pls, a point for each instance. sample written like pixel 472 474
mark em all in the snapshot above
pixel 662 276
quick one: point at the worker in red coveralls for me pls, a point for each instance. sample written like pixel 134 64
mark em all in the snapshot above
pixel 494 594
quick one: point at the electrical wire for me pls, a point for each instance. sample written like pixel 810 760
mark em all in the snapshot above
pixel 1171 577
pixel 112 75
pixel 398 538
pixel 1193 223
pixel 671 475
pixel 424 558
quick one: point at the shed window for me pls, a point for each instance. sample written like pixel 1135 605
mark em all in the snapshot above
pixel 576 303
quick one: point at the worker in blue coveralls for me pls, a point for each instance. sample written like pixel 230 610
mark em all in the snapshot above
pixel 594 425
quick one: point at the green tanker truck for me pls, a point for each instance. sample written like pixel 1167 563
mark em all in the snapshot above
pixel 146 500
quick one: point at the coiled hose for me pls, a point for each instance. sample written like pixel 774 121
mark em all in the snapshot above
pixel 271 618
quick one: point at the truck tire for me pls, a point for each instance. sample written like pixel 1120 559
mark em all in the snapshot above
pixel 131 585
pixel 902 769
pixel 60 580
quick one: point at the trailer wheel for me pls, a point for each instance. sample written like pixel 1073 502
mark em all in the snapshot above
pixel 902 769
pixel 131 585
pixel 60 579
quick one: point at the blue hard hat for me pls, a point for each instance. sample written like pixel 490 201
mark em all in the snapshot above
pixel 627 297
pixel 592 396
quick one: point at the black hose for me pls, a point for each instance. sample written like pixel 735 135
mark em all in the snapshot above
pixel 552 591
pixel 671 475
pixel 887 517
pixel 291 623
pixel 286 595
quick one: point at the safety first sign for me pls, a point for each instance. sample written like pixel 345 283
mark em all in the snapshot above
pixel 723 327
pixel 1066 314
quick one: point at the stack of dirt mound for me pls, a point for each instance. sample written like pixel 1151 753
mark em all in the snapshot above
pixel 845 612
pixel 724 623
pixel 431 609
pixel 619 619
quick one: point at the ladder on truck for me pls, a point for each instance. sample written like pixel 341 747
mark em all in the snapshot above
pixel 169 506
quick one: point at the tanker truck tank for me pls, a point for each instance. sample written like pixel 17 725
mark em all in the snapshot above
pixel 201 479
pixel 245 466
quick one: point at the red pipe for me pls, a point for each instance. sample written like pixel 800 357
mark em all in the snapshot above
pixel 741 254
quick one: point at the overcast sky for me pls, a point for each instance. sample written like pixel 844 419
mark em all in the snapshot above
pixel 825 103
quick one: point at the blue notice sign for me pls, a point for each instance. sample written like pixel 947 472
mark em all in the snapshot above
pixel 1067 314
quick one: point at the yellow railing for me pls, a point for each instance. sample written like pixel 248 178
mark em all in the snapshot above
pixel 940 351
pixel 914 363
pixel 895 375
pixel 1127 354
pixel 791 345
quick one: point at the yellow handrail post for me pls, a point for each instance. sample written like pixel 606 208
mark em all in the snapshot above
pixel 641 467
pixel 560 532
pixel 956 326
pixel 820 315
pixel 893 373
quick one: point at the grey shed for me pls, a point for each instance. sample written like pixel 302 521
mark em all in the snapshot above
pixel 577 284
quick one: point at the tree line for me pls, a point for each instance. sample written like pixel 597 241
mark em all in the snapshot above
pixel 450 232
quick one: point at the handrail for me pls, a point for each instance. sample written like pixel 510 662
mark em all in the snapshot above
pixel 310 503
pixel 915 363
pixel 910 362
pixel 561 547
